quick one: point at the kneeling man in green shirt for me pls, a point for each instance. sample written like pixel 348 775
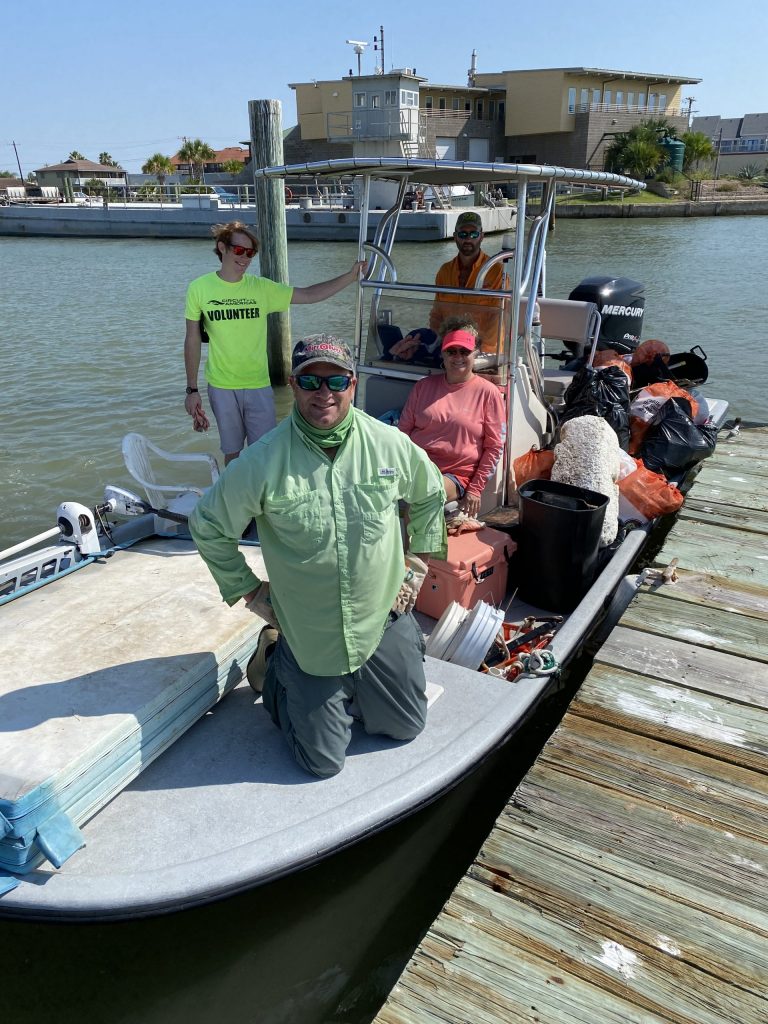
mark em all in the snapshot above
pixel 324 487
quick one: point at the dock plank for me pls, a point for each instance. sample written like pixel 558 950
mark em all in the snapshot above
pixel 702 669
pixel 713 591
pixel 690 784
pixel 702 722
pixel 698 624
pixel 627 877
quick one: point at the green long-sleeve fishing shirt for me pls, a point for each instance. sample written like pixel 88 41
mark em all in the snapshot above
pixel 329 532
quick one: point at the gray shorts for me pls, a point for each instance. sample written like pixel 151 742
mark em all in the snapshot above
pixel 313 711
pixel 242 415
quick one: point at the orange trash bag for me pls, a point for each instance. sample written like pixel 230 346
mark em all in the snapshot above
pixel 646 404
pixel 645 495
pixel 647 350
pixel 533 465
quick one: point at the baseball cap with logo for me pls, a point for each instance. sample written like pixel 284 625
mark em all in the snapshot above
pixel 469 219
pixel 321 348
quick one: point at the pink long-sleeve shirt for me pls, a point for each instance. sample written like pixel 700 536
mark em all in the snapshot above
pixel 460 426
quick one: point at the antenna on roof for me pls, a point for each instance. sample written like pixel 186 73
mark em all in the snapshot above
pixel 358 47
pixel 472 69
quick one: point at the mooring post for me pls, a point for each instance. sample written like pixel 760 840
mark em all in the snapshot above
pixel 267 150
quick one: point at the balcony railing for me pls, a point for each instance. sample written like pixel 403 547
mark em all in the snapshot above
pixel 364 124
pixel 625 108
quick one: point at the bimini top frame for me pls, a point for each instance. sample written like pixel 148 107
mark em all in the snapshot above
pixel 526 273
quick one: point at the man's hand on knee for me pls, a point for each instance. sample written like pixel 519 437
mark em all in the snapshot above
pixel 415 574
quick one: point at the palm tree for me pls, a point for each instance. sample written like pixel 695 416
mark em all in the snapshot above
pixel 158 165
pixel 106 160
pixel 637 152
pixel 232 166
pixel 75 155
pixel 196 153
pixel 698 146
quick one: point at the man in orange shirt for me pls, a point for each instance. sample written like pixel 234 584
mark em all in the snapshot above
pixel 461 272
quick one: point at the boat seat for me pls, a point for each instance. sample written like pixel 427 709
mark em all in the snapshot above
pixel 139 453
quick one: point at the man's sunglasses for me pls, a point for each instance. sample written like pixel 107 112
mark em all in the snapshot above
pixel 243 250
pixel 313 382
pixel 467 234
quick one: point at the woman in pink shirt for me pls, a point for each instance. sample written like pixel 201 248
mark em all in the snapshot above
pixel 458 419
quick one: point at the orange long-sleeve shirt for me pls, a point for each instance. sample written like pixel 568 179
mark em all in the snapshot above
pixel 485 312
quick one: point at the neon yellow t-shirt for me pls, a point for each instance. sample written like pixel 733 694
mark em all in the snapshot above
pixel 235 318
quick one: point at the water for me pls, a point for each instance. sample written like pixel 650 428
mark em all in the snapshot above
pixel 93 349
pixel 94 331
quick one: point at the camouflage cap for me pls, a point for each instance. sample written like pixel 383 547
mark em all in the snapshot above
pixel 469 219
pixel 321 348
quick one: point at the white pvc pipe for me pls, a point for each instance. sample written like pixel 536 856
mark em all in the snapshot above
pixel 30 542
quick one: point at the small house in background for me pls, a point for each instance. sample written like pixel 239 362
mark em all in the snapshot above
pixel 79 173
pixel 216 165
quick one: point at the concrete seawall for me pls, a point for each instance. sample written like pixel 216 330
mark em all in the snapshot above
pixel 718 208
pixel 315 223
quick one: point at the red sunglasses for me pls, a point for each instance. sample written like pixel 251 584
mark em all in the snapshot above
pixel 243 250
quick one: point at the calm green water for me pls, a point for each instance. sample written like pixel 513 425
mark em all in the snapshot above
pixel 94 330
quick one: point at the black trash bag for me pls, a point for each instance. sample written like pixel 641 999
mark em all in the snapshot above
pixel 600 392
pixel 687 369
pixel 673 443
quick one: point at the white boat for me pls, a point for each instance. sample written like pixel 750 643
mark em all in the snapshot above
pixel 111 618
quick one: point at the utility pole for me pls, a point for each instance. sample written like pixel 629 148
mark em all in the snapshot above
pixel 717 152
pixel 18 162
pixel 690 100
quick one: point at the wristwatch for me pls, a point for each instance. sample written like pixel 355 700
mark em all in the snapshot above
pixel 191 391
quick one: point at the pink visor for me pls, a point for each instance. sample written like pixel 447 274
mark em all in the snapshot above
pixel 459 339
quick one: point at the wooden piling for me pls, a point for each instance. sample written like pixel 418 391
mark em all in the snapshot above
pixel 266 123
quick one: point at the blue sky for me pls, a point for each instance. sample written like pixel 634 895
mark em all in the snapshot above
pixel 133 78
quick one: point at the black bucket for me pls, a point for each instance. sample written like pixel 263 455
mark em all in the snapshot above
pixel 558 542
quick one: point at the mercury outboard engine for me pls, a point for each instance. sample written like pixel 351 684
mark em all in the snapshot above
pixel 621 303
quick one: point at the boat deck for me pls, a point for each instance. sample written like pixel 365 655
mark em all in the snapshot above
pixel 626 879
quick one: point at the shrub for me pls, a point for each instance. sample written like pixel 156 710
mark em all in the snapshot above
pixel 726 186
pixel 748 172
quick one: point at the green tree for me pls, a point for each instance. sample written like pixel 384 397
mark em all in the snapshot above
pixel 7 174
pixel 106 160
pixel 196 153
pixel 698 147
pixel 158 165
pixel 76 155
pixel 94 187
pixel 232 166
pixel 637 152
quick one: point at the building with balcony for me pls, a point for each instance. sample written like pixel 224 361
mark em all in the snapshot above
pixel 79 173
pixel 548 115
pixel 737 140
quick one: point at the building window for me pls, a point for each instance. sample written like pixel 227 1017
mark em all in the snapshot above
pixel 619 100
pixel 584 98
pixel 455 103
pixel 662 102
pixel 360 99
pixel 596 97
pixel 441 103
pixel 428 101
pixel 390 97
pixel 607 100
pixel 468 106
pixel 571 100
pixel 630 100
pixel 501 110
pixel 375 101
pixel 479 110
pixel 640 102
pixel 408 98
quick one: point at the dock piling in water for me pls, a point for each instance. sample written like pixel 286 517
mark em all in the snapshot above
pixel 265 117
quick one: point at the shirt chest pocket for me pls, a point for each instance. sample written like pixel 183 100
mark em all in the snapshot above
pixel 376 507
pixel 296 520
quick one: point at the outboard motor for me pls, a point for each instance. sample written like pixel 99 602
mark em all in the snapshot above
pixel 621 303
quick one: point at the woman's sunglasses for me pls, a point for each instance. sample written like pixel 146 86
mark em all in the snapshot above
pixel 243 250
pixel 313 382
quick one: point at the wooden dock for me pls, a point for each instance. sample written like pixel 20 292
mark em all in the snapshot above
pixel 627 878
